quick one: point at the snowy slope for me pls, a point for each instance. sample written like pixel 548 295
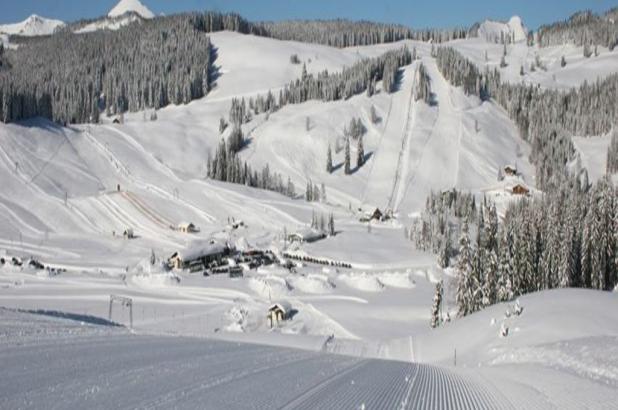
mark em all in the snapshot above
pixel 494 31
pixel 32 26
pixel 101 366
pixel 131 6
pixel 60 203
pixel 552 75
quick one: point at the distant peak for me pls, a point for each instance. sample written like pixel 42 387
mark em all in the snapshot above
pixel 131 6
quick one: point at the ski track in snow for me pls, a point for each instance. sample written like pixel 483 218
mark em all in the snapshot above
pixel 107 367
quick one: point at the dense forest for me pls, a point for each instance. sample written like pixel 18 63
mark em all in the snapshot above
pixel 545 118
pixel 566 238
pixel 71 78
pixel 360 77
pixel 583 28
pixel 345 33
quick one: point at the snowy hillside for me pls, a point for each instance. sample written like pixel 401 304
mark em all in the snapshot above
pixel 32 26
pixel 129 205
pixel 131 6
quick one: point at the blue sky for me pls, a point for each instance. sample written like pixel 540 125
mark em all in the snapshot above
pixel 414 13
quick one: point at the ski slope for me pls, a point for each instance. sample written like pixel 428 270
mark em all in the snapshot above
pixel 99 366
pixel 68 193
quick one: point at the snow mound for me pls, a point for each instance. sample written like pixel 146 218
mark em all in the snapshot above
pixel 313 284
pixel 362 281
pixel 493 31
pixel 155 280
pixel 402 280
pixel 269 286
pixel 239 319
pixel 128 6
pixel 32 26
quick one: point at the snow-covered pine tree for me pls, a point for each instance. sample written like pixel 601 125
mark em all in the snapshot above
pixel 347 169
pixel 444 257
pixel 331 225
pixel 323 192
pixel 612 153
pixel 504 288
pixel 436 319
pixel 290 190
pixel 316 193
pixel 465 281
pixel 374 115
pixel 329 160
pixel 490 281
pixel 309 191
pixel 360 153
pixel 222 125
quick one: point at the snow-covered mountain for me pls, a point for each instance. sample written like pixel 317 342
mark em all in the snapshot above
pixel 493 31
pixel 32 26
pixel 131 6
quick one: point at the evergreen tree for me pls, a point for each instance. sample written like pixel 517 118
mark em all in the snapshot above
pixel 346 164
pixel 465 281
pixel 331 225
pixel 436 309
pixel 444 257
pixel 360 153
pixel 329 160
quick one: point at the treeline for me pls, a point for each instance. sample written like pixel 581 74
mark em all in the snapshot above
pixel 545 118
pixel 345 33
pixel 583 28
pixel 226 166
pixel 612 153
pixel 72 78
pixel 567 238
pixel 360 77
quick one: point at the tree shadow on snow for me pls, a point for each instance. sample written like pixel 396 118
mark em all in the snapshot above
pixel 215 70
pixel 93 320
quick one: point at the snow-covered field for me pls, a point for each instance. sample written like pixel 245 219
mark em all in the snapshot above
pixel 68 193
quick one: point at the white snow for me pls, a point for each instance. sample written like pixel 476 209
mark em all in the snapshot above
pixel 108 24
pixel 59 203
pixel 32 26
pixel 494 31
pixel 131 6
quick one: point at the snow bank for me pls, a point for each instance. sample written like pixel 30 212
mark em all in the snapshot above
pixel 155 280
pixel 269 286
pixel 362 281
pixel 402 280
pixel 314 284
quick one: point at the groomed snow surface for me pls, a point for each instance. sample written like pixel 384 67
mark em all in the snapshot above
pixel 73 364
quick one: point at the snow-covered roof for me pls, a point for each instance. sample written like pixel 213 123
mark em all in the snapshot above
pixel 185 224
pixel 198 250
pixel 284 306
pixel 309 234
